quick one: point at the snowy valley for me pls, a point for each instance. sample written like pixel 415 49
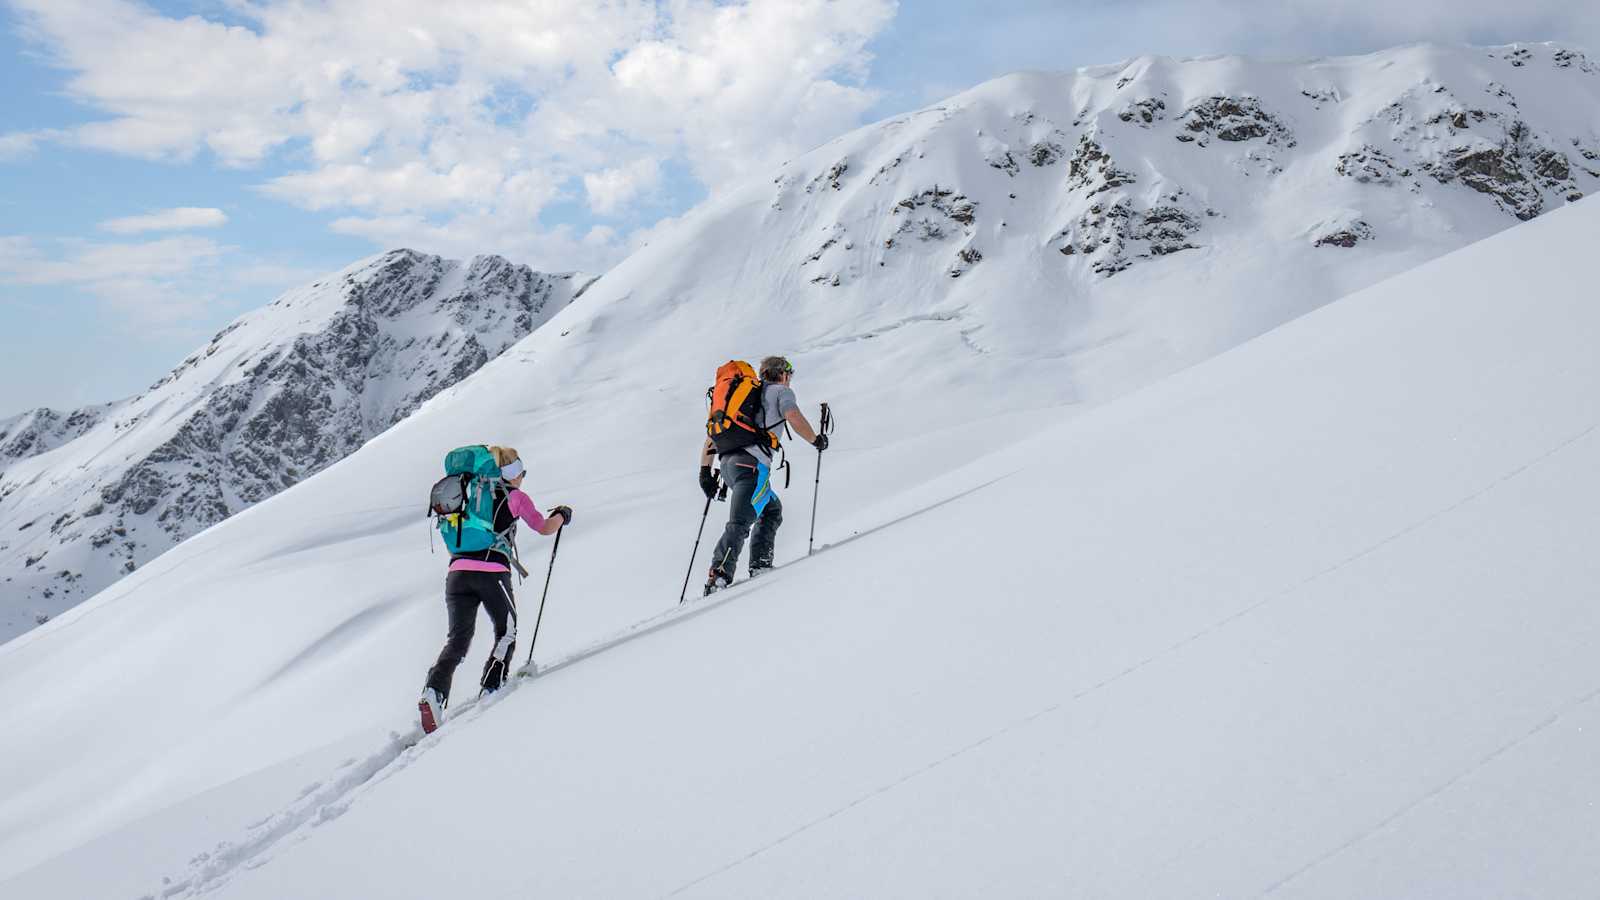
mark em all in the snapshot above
pixel 1140 575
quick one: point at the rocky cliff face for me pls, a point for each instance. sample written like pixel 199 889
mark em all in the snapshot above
pixel 1142 160
pixel 275 397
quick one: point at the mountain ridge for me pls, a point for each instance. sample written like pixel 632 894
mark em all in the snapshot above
pixel 926 370
pixel 276 395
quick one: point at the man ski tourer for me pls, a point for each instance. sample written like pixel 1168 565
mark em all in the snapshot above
pixel 746 450
pixel 479 502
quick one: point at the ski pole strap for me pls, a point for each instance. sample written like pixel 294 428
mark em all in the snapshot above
pixel 827 419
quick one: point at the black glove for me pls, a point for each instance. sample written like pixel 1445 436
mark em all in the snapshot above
pixel 821 443
pixel 565 512
pixel 708 481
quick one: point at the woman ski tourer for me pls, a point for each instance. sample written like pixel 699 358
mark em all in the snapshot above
pixel 479 502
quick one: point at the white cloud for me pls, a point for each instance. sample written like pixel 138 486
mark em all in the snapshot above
pixel 17 145
pixel 611 189
pixel 87 263
pixel 447 116
pixel 182 218
pixel 164 282
pixel 1070 33
pixel 558 249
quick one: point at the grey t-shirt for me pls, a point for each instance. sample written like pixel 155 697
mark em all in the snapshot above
pixel 777 400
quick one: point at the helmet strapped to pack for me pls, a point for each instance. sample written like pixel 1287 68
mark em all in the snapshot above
pixel 736 417
pixel 464 501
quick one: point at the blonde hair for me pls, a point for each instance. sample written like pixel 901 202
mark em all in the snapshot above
pixel 504 455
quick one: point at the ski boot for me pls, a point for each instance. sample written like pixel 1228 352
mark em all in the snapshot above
pixel 431 710
pixel 718 580
pixel 759 569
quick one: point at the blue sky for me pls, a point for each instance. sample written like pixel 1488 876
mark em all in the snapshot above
pixel 297 140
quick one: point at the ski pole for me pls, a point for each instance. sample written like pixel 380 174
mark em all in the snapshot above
pixel 698 535
pixel 540 617
pixel 826 424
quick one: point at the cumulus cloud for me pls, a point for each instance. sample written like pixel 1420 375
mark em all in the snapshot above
pixel 440 117
pixel 182 218
pixel 612 188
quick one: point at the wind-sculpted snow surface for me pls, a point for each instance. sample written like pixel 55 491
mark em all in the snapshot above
pixel 1308 620
pixel 1248 625
pixel 275 397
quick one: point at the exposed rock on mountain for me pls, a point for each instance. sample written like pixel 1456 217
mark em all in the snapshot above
pixel 1092 230
pixel 38 430
pixel 276 396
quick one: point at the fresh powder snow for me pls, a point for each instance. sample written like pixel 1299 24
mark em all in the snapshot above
pixel 1297 612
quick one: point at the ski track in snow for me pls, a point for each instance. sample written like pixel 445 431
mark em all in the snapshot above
pixel 1062 705
pixel 323 802
pixel 326 801
pixel 1438 791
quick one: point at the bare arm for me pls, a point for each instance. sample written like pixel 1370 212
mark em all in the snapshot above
pixel 797 421
pixel 708 453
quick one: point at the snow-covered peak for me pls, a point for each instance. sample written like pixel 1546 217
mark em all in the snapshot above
pixel 39 430
pixel 277 395
pixel 916 273
pixel 1310 619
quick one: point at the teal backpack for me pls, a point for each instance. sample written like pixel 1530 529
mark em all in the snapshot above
pixel 463 501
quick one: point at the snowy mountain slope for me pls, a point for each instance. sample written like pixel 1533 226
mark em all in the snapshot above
pixel 40 430
pixel 320 607
pixel 276 396
pixel 1096 229
pixel 1312 619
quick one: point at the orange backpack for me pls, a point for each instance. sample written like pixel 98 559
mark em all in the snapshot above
pixel 735 421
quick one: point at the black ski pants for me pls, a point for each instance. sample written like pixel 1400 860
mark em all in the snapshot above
pixel 464 592
pixel 740 473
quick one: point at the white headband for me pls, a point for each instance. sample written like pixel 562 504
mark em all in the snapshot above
pixel 511 470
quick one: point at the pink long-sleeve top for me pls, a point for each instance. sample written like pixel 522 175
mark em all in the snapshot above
pixel 521 506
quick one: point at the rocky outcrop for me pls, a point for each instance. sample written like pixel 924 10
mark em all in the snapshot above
pixel 929 213
pixel 271 400
pixel 1232 119
pixel 1369 165
pixel 1112 235
pixel 39 430
pixel 1145 112
pixel 1092 170
pixel 1345 235
pixel 831 179
pixel 1494 152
